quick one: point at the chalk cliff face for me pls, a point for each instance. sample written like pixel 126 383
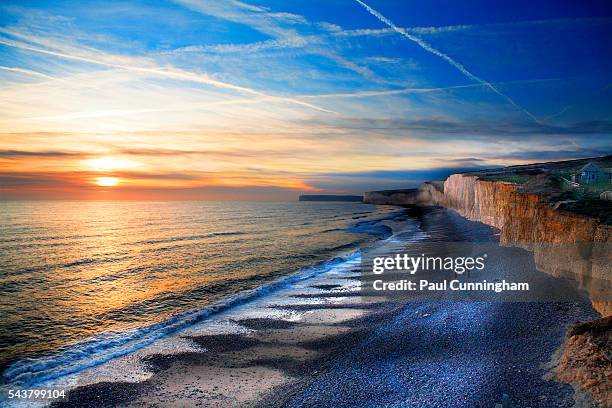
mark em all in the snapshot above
pixel 564 244
pixel 521 217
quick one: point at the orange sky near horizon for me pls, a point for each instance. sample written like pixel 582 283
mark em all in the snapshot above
pixel 191 164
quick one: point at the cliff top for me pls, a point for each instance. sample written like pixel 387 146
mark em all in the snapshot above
pixel 522 173
pixel 553 182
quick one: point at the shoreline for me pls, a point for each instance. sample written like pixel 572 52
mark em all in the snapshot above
pixel 341 348
pixel 107 346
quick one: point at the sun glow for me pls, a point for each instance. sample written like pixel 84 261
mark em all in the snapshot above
pixel 107 181
pixel 110 164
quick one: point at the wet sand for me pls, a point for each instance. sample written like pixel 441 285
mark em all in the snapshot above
pixel 240 369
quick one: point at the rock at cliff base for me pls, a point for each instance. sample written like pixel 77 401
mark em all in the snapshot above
pixel 586 359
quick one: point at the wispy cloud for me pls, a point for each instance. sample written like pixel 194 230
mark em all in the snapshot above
pixel 385 60
pixel 560 154
pixel 43 153
pixel 151 69
pixel 279 25
pixel 451 129
pixel 251 47
pixel 431 30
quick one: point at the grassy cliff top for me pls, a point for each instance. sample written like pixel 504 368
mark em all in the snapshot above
pixel 522 173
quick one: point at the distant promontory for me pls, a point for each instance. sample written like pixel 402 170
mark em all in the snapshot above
pixel 330 197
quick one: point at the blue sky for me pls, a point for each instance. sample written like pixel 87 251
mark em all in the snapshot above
pixel 278 97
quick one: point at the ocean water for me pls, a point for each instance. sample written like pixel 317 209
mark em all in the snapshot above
pixel 84 282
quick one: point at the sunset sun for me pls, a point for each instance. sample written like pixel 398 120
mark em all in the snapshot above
pixel 107 181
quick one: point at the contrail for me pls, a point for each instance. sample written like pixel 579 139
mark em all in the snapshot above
pixel 387 92
pixel 561 112
pixel 445 57
pixel 172 73
pixel 365 94
pixel 27 72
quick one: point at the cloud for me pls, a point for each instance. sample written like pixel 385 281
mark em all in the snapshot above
pixel 233 153
pixel 158 176
pixel 7 154
pixel 570 22
pixel 343 62
pixel 427 174
pixel 38 180
pixel 365 32
pixel 277 25
pixel 438 29
pixel 358 182
pixel 253 47
pixel 385 60
pixel 467 162
pixel 543 155
pixel 432 30
pixel 158 152
pixel 330 27
pixel 102 59
pixel 469 129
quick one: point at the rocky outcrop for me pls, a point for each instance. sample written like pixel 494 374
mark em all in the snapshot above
pixel 431 192
pixel 391 197
pixel 585 359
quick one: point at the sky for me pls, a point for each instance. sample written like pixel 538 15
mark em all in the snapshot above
pixel 264 100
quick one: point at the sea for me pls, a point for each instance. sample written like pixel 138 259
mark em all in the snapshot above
pixel 84 282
